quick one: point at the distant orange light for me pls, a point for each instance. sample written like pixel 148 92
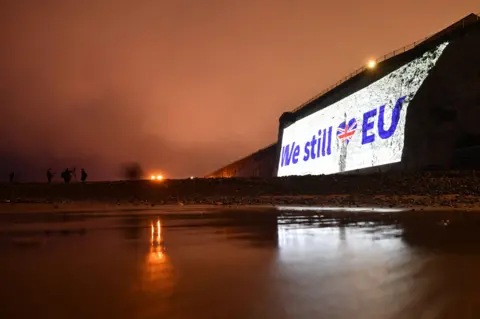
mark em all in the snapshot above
pixel 157 177
pixel 371 64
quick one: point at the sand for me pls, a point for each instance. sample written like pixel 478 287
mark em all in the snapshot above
pixel 295 203
pixel 452 190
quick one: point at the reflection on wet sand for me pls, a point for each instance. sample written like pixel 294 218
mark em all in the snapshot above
pixel 241 264
pixel 157 269
pixel 389 265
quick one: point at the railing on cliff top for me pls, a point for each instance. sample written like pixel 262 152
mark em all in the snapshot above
pixel 379 60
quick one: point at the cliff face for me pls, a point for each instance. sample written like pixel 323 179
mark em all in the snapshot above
pixel 259 164
pixel 441 120
pixel 443 116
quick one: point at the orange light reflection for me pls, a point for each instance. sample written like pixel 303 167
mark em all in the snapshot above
pixel 157 272
pixel 156 249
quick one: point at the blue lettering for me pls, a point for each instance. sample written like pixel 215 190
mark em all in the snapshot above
pixel 287 154
pixel 296 152
pixel 307 152
pixel 323 142
pixel 314 141
pixel 384 134
pixel 367 126
pixel 315 148
pixel 319 142
pixel 329 145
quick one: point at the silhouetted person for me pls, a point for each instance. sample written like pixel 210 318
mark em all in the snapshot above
pixel 49 175
pixel 67 175
pixel 11 176
pixel 83 175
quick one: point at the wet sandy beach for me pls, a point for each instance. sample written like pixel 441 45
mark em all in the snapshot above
pixel 295 203
pixel 240 263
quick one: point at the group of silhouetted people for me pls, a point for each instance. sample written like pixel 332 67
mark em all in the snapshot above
pixel 66 175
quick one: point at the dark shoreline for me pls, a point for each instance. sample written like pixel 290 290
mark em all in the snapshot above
pixel 455 189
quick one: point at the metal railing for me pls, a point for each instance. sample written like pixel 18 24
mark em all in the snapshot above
pixel 379 60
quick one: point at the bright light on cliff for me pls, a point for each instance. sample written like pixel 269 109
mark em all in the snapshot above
pixel 371 64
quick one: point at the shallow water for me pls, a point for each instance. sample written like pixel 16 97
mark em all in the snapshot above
pixel 240 264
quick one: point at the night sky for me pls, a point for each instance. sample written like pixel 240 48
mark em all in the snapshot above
pixel 182 87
